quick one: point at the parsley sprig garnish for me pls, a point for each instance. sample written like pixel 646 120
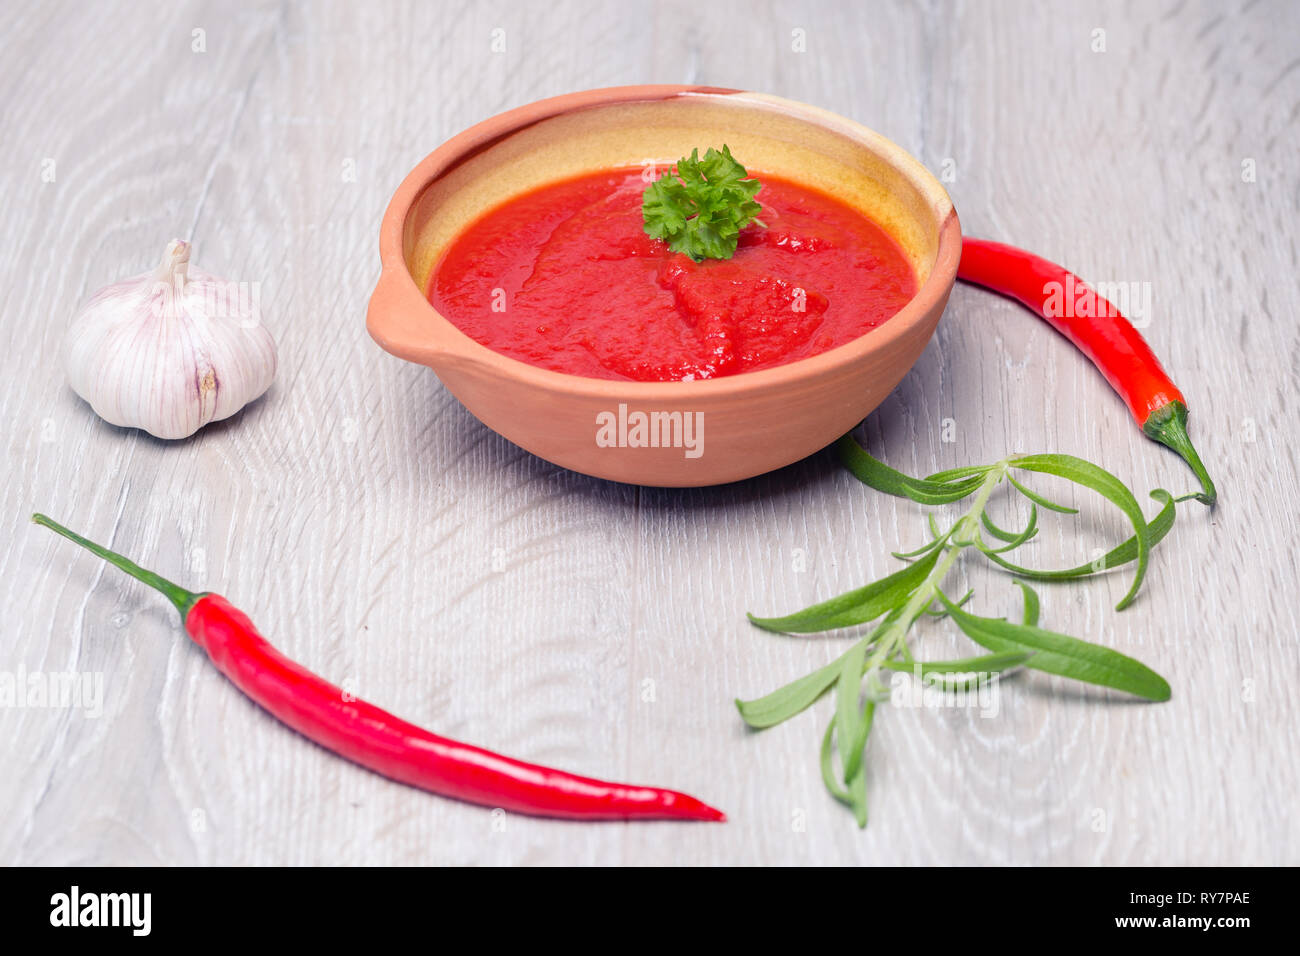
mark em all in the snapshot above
pixel 701 209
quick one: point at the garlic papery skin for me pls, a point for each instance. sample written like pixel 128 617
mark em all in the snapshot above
pixel 170 350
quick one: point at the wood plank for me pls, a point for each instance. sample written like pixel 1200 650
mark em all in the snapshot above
pixel 382 536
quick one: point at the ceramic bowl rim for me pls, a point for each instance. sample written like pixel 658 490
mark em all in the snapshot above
pixel 441 341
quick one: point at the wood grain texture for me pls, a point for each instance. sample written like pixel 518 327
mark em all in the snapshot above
pixel 382 536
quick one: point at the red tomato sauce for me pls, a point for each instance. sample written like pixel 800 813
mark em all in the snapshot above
pixel 564 277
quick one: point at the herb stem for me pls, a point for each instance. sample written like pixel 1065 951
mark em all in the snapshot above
pixel 964 534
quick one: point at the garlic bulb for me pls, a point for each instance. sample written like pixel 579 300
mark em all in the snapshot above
pixel 170 350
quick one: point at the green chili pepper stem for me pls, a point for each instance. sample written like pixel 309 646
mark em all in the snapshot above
pixel 183 600
pixel 1168 425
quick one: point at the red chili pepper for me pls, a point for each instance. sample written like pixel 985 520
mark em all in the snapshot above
pixel 1099 331
pixel 374 738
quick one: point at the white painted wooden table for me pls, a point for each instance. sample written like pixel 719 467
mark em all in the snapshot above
pixel 383 537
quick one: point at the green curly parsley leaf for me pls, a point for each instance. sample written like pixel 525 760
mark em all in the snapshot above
pixel 702 208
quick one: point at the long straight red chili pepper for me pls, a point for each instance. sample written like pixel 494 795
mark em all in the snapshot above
pixel 1100 332
pixel 375 739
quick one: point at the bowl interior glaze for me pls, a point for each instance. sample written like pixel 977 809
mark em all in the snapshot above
pixel 768 137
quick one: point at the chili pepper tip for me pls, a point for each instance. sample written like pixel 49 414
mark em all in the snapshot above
pixel 685 807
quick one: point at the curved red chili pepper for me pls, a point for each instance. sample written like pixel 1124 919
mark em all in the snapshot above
pixel 379 741
pixel 1099 331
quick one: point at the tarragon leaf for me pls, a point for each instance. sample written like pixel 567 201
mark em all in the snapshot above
pixel 796 696
pixel 1004 535
pixel 941 613
pixel 1123 553
pixel 876 474
pixel 1109 487
pixel 829 776
pixel 952 474
pixel 983 664
pixel 784 702
pixel 857 606
pixel 1038 499
pixel 1061 654
pixel 1013 541
pixel 854 795
pixel 908 555
pixel 1031 605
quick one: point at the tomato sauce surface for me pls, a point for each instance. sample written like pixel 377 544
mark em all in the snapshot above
pixel 564 277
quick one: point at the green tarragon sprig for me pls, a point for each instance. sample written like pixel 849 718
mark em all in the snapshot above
pixel 899 600
pixel 701 209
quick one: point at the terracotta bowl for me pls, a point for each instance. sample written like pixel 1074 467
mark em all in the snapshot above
pixel 751 422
